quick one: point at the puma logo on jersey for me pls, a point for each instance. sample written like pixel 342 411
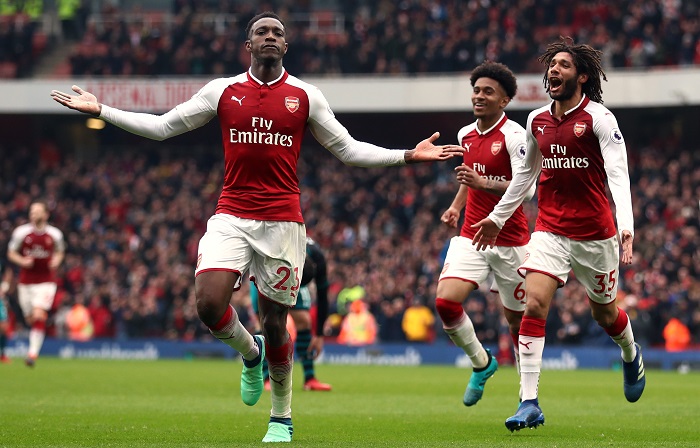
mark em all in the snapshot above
pixel 240 102
pixel 467 146
pixel 541 129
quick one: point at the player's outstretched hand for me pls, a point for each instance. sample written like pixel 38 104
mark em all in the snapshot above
pixel 83 102
pixel 627 240
pixel 426 151
pixel 486 235
pixel 450 217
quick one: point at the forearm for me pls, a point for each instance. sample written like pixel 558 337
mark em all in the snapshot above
pixel 619 183
pixel 15 257
pixel 497 187
pixel 57 258
pixel 460 200
pixel 155 127
pixel 356 153
pixel 519 187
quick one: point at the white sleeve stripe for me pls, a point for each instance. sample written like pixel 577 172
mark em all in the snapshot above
pixel 615 162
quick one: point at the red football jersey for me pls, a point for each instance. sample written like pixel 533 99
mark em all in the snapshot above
pixel 40 245
pixel 262 127
pixel 494 154
pixel 578 153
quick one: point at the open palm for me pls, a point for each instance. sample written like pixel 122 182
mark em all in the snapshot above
pixel 426 151
pixel 83 102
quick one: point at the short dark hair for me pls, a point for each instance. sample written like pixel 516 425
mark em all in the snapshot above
pixel 262 15
pixel 499 72
pixel 41 202
pixel 586 60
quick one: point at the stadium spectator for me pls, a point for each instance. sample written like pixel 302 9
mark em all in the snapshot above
pixel 348 295
pixel 101 317
pixel 72 14
pixel 575 230
pixel 418 320
pixel 38 248
pixel 79 322
pixel 359 326
pixel 236 242
pixel 495 147
pixel 677 335
pixel 389 320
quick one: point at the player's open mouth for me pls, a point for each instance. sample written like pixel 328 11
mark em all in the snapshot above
pixel 554 84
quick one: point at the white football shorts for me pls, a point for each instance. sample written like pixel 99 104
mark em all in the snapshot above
pixel 465 263
pixel 272 252
pixel 595 263
pixel 36 295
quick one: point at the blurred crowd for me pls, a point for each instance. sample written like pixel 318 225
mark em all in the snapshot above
pixel 205 37
pixel 132 219
pixel 389 37
pixel 22 41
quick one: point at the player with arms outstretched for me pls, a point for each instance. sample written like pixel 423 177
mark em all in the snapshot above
pixel 38 248
pixel 258 226
pixel 494 147
pixel 575 146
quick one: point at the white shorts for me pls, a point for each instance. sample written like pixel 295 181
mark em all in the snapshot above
pixel 465 263
pixel 272 252
pixel 595 263
pixel 36 295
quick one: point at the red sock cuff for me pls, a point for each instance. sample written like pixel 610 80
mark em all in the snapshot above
pixel 450 312
pixel 225 320
pixel 619 325
pixel 39 325
pixel 532 326
pixel 281 354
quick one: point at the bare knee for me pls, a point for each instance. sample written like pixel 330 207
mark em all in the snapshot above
pixel 213 293
pixel 539 291
pixel 605 315
pixel 537 305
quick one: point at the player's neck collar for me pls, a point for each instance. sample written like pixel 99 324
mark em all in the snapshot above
pixel 269 84
pixel 496 125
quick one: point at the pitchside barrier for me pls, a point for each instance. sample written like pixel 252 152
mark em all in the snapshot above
pixel 554 358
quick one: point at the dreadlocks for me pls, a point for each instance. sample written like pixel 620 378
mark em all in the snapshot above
pixel 586 60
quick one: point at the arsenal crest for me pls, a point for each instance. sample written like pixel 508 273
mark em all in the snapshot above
pixel 292 103
pixel 495 147
pixel 579 129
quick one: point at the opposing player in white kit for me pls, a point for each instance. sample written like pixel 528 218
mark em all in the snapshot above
pixel 576 145
pixel 258 227
pixel 38 249
pixel 494 147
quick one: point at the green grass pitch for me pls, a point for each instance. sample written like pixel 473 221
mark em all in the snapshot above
pixel 173 403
